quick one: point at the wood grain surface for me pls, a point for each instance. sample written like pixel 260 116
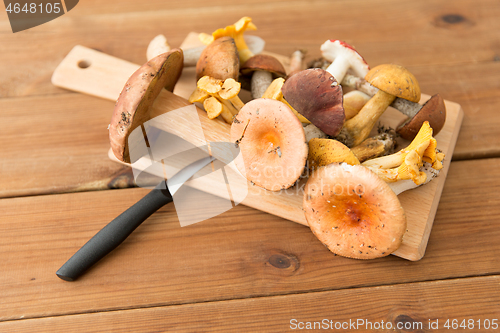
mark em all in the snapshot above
pixel 239 254
pixel 245 270
pixel 414 307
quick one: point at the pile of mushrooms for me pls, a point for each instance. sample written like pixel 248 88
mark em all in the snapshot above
pixel 304 120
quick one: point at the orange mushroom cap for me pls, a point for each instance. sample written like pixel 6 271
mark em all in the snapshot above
pixel 272 144
pixel 353 212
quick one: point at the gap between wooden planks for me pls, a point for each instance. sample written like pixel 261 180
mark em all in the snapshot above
pixel 416 305
pixel 239 254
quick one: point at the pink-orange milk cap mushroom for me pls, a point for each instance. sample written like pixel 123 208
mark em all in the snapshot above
pixel 273 151
pixel 353 212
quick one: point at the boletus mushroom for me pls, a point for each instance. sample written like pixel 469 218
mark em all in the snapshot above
pixel 433 111
pixel 273 149
pixel 133 105
pixel 316 95
pixel 236 31
pixel 219 60
pixel 392 81
pixel 353 212
pixel 263 68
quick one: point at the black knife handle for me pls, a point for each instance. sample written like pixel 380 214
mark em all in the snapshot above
pixel 114 233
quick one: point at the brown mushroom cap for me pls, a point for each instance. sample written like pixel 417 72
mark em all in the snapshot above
pixel 316 95
pixel 272 144
pixel 263 62
pixel 433 111
pixel 395 80
pixel 353 212
pixel 219 60
pixel 138 94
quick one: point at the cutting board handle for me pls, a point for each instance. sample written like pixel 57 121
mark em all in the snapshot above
pixel 92 72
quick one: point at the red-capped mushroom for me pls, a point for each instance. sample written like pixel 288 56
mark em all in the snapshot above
pixel 316 95
pixel 345 59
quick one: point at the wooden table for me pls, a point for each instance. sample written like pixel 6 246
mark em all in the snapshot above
pixel 242 271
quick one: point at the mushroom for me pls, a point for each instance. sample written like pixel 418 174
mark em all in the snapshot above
pixel 407 163
pixel 219 60
pixel 323 151
pixel 273 151
pixel 263 68
pixel 157 46
pixel 344 58
pixel 312 132
pixel 235 31
pixel 327 151
pixel 316 95
pixel 133 105
pixel 353 212
pixel 379 145
pixel 423 137
pixel 434 110
pixel 296 62
pixel 218 97
pixel 354 102
pixel 392 81
pixel 274 92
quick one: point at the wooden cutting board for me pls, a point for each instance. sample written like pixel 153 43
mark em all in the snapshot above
pixel 95 73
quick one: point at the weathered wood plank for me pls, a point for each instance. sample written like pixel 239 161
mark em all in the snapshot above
pixel 57 144
pixel 241 253
pixel 54 144
pixel 416 307
pixel 407 32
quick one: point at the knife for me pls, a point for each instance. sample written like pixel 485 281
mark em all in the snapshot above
pixel 115 232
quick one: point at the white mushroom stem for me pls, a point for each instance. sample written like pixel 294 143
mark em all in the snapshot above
pixel 408 184
pixel 402 105
pixel 338 68
pixel 191 55
pixel 260 81
pixel 297 61
pixel 157 46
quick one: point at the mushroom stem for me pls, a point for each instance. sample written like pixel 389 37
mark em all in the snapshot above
pixel 191 55
pixel 353 103
pixel 338 68
pixel 296 62
pixel 157 46
pixel 376 146
pixel 358 128
pixel 407 184
pixel 261 80
pixel 402 105
pixel 229 106
pixel 394 160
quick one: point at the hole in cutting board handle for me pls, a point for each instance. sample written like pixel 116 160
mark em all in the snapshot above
pixel 84 64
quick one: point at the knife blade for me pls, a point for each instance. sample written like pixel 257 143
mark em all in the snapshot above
pixel 115 232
